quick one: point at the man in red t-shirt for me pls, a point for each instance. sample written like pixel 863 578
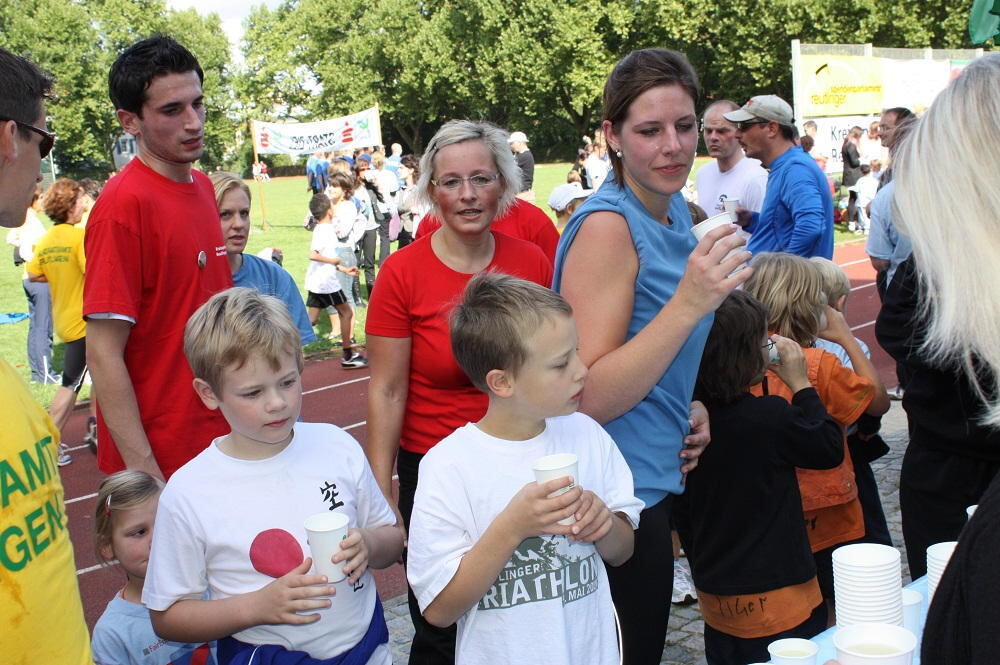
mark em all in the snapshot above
pixel 522 220
pixel 155 253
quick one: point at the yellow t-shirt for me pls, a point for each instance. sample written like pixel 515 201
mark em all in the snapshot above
pixel 59 256
pixel 41 617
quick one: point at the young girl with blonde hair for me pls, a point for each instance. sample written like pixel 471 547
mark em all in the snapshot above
pixel 792 290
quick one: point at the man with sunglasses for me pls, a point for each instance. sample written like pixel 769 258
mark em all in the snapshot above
pixel 797 214
pixel 155 253
pixel 40 608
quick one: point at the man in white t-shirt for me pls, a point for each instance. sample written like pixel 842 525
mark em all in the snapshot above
pixel 732 175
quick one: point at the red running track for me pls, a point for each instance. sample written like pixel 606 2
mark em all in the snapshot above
pixel 338 396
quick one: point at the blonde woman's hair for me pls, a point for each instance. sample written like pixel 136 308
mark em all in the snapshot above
pixel 791 289
pixel 120 491
pixel 235 325
pixel 947 169
pixel 460 131
pixel 223 181
pixel 835 283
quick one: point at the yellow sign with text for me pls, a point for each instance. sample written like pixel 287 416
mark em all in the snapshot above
pixel 836 85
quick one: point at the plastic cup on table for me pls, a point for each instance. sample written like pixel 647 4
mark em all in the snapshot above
pixel 913 605
pixel 325 531
pixel 874 644
pixel 970 510
pixel 793 651
pixel 555 466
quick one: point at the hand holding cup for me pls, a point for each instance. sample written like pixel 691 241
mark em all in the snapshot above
pixel 791 367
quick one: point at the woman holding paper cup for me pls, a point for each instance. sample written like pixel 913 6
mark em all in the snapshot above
pixel 643 290
pixel 947 169
pixel 419 394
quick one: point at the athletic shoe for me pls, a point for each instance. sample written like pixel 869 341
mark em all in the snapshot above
pixel 684 592
pixel 354 361
pixel 63 459
pixel 90 438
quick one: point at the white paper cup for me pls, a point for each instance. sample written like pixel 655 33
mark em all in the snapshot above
pixel 730 206
pixel 866 556
pixel 325 531
pixel 938 555
pixel 793 651
pixel 874 644
pixel 970 510
pixel 714 222
pixel 555 466
pixel 913 604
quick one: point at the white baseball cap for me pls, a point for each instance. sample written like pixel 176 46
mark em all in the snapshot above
pixel 517 136
pixel 765 107
pixel 565 194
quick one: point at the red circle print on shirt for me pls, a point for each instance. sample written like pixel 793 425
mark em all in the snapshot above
pixel 275 552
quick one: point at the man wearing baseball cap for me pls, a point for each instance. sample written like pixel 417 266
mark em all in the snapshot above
pixel 797 214
pixel 526 162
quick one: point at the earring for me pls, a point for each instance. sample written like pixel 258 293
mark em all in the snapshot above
pixel 618 154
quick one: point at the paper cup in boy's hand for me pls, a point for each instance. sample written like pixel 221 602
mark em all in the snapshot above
pixel 555 466
pixel 701 230
pixel 326 530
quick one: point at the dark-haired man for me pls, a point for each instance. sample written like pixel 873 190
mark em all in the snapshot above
pixel 40 608
pixel 155 253
pixel 797 215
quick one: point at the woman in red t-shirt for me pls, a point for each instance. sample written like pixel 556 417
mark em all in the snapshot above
pixel 419 394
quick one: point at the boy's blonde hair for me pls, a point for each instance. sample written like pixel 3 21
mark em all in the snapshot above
pixel 835 283
pixel 120 491
pixel 791 289
pixel 497 313
pixel 235 325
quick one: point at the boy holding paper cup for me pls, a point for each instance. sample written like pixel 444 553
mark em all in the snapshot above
pixel 520 563
pixel 229 559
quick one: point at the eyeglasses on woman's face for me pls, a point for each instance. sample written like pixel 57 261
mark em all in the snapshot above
pixel 452 183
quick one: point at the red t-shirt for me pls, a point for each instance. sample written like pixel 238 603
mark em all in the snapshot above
pixel 523 220
pixel 414 297
pixel 155 253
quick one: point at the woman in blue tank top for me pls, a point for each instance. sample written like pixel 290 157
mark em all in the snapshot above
pixel 643 292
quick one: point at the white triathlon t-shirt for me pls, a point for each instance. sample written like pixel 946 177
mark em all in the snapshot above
pixel 551 602
pixel 747 181
pixel 233 526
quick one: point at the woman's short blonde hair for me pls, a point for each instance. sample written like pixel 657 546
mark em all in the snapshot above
pixel 460 131
pixel 835 283
pixel 235 325
pixel 791 289
pixel 946 169
pixel 223 181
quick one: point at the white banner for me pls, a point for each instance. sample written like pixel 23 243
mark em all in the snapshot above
pixel 361 130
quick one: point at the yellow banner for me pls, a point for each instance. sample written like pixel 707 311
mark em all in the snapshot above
pixel 834 85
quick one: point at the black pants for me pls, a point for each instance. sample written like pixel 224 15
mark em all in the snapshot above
pixel 935 487
pixel 852 206
pixel 383 239
pixel 641 588
pixel 366 258
pixel 431 645
pixel 723 649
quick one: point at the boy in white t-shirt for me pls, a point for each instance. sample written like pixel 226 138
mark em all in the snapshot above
pixel 486 548
pixel 230 521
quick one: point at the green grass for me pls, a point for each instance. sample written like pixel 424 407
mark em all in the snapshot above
pixel 285 200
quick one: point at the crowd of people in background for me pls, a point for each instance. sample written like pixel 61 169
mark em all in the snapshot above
pixel 684 374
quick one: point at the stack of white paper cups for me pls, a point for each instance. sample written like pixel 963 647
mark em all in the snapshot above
pixel 868 583
pixel 937 560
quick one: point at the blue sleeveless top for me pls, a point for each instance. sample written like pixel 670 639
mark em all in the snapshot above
pixel 650 435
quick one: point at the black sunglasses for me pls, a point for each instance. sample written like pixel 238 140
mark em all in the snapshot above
pixel 742 126
pixel 48 138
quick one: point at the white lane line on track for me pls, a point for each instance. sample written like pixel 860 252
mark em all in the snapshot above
pixel 335 385
pixel 854 263
pixel 862 325
pixel 81 498
pixel 80 447
pixel 863 286
pixel 91 569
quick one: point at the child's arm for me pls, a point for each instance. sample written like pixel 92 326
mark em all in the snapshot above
pixel 611 533
pixel 198 621
pixel 375 548
pixel 530 513
pixel 838 331
pixel 334 260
